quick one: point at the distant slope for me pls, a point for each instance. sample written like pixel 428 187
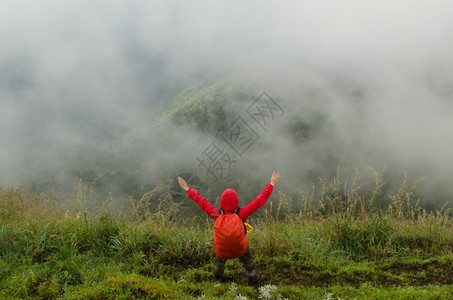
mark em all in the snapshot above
pixel 209 105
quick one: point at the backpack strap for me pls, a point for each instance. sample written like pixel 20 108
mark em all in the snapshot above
pixel 236 211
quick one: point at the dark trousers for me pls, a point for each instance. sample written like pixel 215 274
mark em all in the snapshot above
pixel 246 260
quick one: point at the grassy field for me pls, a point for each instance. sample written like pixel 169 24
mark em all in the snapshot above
pixel 340 245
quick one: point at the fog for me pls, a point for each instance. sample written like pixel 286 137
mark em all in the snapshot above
pixel 85 80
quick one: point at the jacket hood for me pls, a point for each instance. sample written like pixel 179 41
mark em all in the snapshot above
pixel 229 200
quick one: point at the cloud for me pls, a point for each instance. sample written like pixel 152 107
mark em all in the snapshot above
pixel 85 74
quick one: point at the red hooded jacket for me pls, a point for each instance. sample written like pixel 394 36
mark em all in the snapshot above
pixel 229 201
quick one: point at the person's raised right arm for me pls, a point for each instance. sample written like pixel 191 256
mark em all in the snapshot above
pixel 261 199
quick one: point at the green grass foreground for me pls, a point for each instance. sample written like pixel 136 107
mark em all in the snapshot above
pixel 341 248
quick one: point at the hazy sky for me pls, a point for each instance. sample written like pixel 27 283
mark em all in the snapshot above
pixel 81 74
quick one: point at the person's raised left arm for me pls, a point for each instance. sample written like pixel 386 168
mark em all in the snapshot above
pixel 196 197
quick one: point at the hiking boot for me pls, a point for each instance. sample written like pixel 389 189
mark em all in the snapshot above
pixel 219 268
pixel 253 280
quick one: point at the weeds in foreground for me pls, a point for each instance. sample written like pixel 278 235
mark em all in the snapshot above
pixel 51 249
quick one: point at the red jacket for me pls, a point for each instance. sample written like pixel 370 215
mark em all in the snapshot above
pixel 229 201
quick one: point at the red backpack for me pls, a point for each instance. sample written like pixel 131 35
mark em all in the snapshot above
pixel 229 236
